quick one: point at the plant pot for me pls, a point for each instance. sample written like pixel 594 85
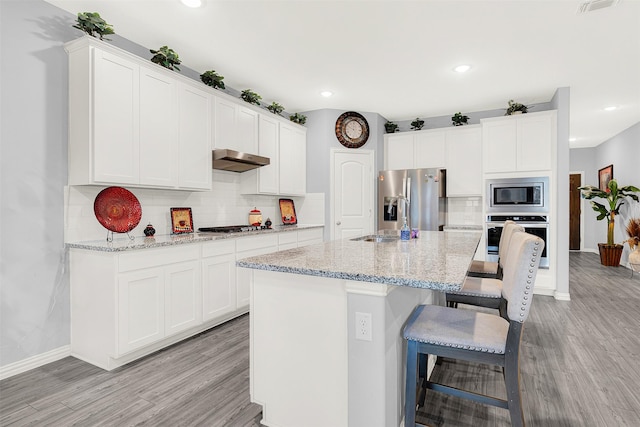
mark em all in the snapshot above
pixel 610 254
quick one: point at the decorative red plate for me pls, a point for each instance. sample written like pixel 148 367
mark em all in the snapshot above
pixel 117 209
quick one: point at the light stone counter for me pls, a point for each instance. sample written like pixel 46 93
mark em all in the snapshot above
pixel 122 243
pixel 435 260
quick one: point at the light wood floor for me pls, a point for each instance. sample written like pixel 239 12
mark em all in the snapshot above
pixel 580 365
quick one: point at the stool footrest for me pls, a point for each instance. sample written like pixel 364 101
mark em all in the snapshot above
pixel 480 398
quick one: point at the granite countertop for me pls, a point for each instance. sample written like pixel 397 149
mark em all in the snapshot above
pixel 462 227
pixel 435 260
pixel 121 244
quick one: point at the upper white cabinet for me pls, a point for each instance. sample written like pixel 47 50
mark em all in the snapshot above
pixel 293 160
pixel 133 123
pixel 285 144
pixel 463 146
pixel 236 127
pixel 415 149
pixel 518 143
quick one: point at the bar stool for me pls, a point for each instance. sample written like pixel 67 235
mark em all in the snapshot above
pixel 477 337
pixel 486 292
pixel 490 269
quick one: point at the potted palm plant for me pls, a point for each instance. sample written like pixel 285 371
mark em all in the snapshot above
pixel 614 198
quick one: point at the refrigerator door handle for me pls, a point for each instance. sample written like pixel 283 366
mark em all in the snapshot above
pixel 408 194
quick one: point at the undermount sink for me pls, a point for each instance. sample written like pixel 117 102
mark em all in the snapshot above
pixel 377 238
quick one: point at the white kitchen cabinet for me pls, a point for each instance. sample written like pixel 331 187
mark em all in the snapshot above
pixel 292 160
pixel 415 149
pixel 134 123
pixel 247 247
pixel 141 309
pixel 463 162
pixel 183 297
pixel 310 236
pixel 286 146
pixel 519 143
pixel 287 240
pixel 194 138
pixel 218 279
pixel 158 147
pixel 236 127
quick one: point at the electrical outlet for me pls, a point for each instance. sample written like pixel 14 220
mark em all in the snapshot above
pixel 363 326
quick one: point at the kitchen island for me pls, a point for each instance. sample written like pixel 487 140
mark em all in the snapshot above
pixel 326 347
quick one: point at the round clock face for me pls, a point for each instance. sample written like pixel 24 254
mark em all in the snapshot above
pixel 352 129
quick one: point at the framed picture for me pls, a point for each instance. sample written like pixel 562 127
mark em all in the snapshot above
pixel 181 220
pixel 604 176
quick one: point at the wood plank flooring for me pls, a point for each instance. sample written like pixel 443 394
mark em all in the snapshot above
pixel 580 365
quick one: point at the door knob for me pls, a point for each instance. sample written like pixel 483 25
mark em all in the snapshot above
pixel 338 223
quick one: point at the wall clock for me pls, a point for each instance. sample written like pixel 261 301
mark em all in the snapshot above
pixel 352 129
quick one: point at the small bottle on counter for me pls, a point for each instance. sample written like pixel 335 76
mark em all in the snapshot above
pixel 405 232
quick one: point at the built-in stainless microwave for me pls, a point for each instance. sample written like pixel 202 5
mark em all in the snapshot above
pixel 519 195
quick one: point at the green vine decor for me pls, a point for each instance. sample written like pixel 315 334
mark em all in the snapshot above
pixel 417 124
pixel 251 97
pixel 458 119
pixel 516 108
pixel 213 79
pixel 390 127
pixel 298 118
pixel 91 22
pixel 166 57
pixel 275 108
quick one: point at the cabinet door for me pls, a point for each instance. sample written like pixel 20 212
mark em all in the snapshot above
pixel 260 245
pixel 535 136
pixel 225 125
pixel 429 149
pixel 158 129
pixel 464 162
pixel 399 150
pixel 183 297
pixel 219 286
pixel 268 179
pixel 116 99
pixel 140 309
pixel 247 130
pixel 499 140
pixel 194 138
pixel 293 161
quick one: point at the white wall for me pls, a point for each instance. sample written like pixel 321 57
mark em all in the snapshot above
pixel 622 151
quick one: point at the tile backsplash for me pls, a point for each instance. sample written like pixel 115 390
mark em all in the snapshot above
pixel 224 205
pixel 464 211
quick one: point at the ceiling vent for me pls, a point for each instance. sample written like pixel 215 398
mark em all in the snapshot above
pixel 592 5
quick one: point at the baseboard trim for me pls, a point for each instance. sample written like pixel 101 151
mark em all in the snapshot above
pixel 562 296
pixel 590 250
pixel 33 362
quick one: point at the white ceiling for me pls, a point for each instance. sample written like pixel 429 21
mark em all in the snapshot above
pixel 396 57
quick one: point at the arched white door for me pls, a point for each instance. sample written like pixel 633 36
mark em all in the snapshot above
pixel 353 178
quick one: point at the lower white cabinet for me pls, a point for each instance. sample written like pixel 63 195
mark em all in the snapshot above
pixel 218 279
pixel 247 247
pixel 125 305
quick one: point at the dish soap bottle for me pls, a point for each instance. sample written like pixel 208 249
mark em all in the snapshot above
pixel 405 232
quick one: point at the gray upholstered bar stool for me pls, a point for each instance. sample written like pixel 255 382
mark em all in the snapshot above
pixel 477 337
pixel 490 269
pixel 482 291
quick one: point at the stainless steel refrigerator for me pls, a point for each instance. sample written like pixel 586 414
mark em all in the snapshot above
pixel 422 190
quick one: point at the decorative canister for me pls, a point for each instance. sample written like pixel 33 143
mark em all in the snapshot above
pixel 268 223
pixel 255 217
pixel 149 231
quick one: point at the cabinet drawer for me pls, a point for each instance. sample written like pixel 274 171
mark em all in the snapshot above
pixel 313 235
pixel 216 248
pixel 256 242
pixel 287 238
pixel 147 258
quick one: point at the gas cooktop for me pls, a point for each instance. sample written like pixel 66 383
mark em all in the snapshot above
pixel 233 228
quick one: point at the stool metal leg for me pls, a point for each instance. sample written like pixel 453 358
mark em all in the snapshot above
pixel 411 381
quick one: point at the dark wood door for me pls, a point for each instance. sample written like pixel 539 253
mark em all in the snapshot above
pixel 574 211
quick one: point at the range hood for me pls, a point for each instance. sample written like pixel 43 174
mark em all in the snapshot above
pixel 234 161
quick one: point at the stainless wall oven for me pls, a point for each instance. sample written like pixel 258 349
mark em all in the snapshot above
pixel 537 225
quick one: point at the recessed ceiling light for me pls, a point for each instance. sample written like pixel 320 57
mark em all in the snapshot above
pixel 462 68
pixel 192 3
pixel 610 108
pixel 326 93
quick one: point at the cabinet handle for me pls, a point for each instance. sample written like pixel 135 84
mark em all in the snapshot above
pixel 338 223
